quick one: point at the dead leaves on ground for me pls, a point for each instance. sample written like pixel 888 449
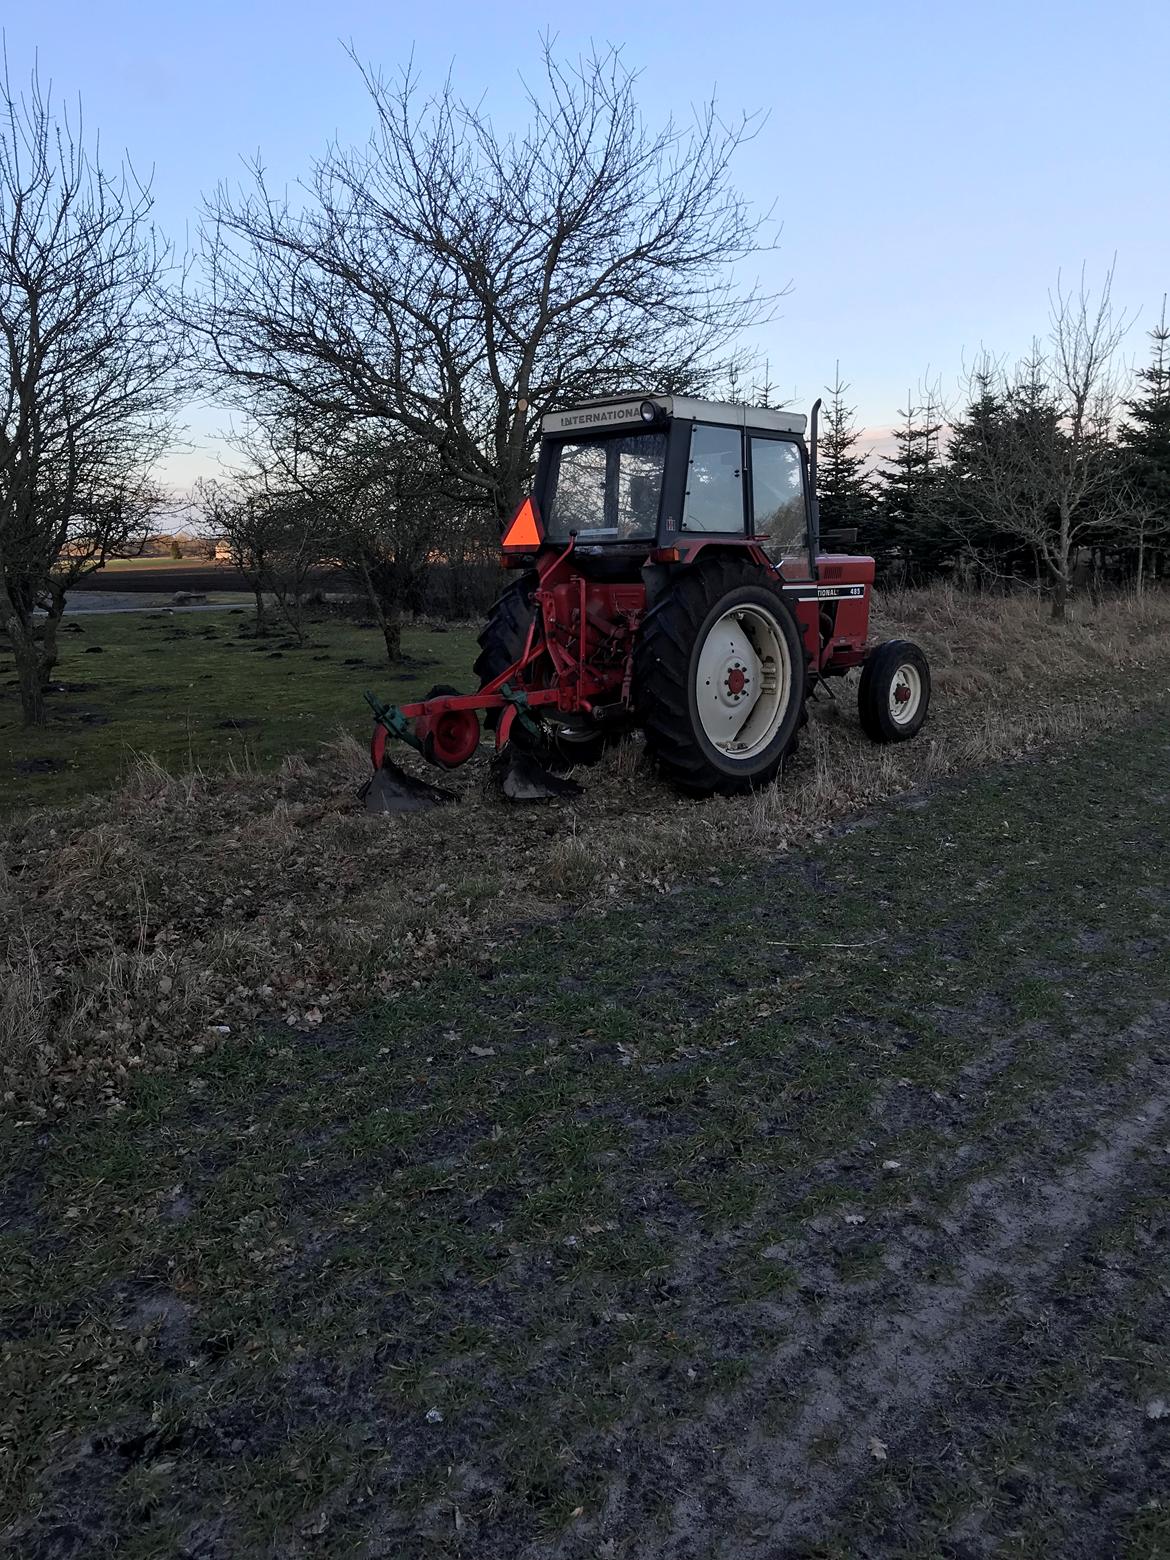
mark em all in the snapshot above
pixel 183 911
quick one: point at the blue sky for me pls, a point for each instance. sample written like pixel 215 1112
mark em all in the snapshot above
pixel 933 165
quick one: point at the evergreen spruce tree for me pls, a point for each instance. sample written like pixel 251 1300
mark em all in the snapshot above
pixel 844 486
pixel 765 393
pixel 909 535
pixel 1145 451
pixel 995 454
pixel 978 424
pixel 979 427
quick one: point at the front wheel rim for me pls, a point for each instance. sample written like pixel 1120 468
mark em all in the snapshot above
pixel 743 682
pixel 905 694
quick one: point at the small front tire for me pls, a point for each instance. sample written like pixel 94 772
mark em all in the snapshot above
pixel 894 693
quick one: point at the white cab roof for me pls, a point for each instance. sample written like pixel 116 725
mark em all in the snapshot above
pixel 612 414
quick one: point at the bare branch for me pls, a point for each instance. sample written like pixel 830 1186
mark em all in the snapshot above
pixel 89 367
pixel 452 284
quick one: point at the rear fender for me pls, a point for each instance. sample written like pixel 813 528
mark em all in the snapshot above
pixel 687 551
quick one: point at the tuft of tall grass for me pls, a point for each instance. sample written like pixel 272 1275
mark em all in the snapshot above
pixel 26 1012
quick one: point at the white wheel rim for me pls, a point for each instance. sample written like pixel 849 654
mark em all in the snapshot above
pixel 743 682
pixel 905 694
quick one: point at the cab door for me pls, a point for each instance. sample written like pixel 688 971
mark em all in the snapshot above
pixel 714 491
pixel 778 503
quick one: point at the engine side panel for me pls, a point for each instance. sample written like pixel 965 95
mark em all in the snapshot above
pixel 833 613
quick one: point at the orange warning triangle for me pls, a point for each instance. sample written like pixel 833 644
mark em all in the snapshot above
pixel 524 528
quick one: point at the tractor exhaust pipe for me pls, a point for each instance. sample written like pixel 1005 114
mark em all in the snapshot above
pixel 814 503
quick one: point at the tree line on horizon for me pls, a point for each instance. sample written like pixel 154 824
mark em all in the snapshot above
pixel 389 344
pixel 1052 471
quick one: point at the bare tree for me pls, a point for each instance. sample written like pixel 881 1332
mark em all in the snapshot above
pixel 237 515
pixel 274 536
pixel 393 524
pixel 1042 470
pixel 88 364
pixel 452 283
pixel 297 555
pixel 1141 524
pixel 381 507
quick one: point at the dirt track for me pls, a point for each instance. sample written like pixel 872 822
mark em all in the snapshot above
pixel 84 602
pixel 184 576
pixel 188 576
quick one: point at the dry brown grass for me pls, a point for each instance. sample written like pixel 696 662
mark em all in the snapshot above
pixel 186 907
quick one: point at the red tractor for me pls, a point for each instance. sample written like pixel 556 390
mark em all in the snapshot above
pixel 669 577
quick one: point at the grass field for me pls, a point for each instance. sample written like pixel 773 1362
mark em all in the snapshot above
pixel 813 1209
pixel 197 690
pixel 633 1178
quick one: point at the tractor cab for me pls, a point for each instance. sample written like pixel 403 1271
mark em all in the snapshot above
pixel 667 475
pixel 645 486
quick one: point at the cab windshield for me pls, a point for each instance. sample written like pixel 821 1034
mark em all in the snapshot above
pixel 607 488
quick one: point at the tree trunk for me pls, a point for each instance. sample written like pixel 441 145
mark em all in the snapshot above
pixel 49 652
pixel 31 671
pixel 32 686
pixel 392 634
pixel 1064 563
pixel 36 655
pixel 387 607
pixel 261 624
pixel 1141 562
pixel 509 495
pixel 292 611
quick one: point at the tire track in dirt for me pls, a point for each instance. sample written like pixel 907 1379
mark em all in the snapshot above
pixel 875 1360
pixel 1010 1236
pixel 1016 1241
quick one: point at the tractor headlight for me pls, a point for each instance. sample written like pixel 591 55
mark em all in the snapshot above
pixel 650 412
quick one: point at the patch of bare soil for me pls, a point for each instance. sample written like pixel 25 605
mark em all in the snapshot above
pixel 39 766
pixel 890 1365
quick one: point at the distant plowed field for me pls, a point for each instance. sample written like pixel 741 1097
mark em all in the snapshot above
pixel 145 575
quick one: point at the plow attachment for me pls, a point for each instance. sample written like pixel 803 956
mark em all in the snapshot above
pixel 444 729
pixel 521 777
pixel 541 677
pixel 392 790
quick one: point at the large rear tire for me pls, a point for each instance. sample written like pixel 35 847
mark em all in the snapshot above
pixel 719 680
pixel 501 641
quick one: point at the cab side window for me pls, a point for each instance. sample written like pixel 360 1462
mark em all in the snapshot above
pixel 714 499
pixel 779 512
